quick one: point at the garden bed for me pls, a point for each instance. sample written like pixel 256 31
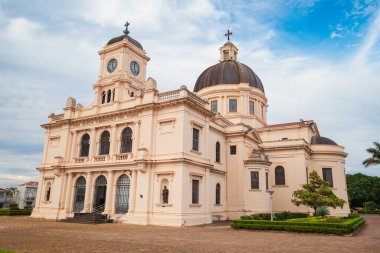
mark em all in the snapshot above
pixel 311 224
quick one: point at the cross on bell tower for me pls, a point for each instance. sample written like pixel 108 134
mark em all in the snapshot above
pixel 228 34
pixel 126 32
pixel 228 51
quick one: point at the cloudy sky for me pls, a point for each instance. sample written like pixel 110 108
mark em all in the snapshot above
pixel 318 60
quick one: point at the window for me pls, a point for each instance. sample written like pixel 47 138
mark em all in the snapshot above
pixel 195 192
pixel 217 152
pixel 327 176
pixel 262 111
pixel 232 150
pixel 279 173
pixel 122 194
pixel 104 143
pixel 307 175
pixel 126 140
pixel 217 194
pixel 233 105
pixel 109 94
pixel 214 106
pixel 255 180
pixel 226 55
pixel 251 107
pixel 103 97
pixel 85 145
pixel 266 180
pixel 195 139
pixel 113 95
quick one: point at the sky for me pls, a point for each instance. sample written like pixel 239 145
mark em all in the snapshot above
pixel 318 60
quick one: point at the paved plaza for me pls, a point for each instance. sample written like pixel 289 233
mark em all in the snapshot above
pixel 23 234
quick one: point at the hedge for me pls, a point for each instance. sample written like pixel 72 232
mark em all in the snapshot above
pixel 9 212
pixel 341 228
pixel 369 212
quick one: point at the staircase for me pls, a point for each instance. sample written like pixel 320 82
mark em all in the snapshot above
pixel 96 217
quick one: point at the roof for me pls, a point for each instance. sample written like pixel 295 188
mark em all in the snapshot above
pixel 130 39
pixel 29 183
pixel 228 72
pixel 283 124
pixel 315 140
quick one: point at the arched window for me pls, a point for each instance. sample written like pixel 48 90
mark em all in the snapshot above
pixel 85 145
pixel 80 192
pixel 217 152
pixel 122 194
pixel 48 191
pixel 109 95
pixel 104 143
pixel 279 172
pixel 100 193
pixel 217 194
pixel 103 97
pixel 126 140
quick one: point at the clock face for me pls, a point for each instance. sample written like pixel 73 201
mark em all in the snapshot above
pixel 135 68
pixel 111 66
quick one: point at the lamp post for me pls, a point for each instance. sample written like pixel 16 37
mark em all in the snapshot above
pixel 271 206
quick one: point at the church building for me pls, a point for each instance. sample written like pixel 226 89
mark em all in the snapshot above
pixel 178 158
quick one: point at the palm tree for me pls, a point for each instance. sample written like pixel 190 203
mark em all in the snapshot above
pixel 375 152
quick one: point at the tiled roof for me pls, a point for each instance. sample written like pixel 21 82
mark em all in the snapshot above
pixel 29 183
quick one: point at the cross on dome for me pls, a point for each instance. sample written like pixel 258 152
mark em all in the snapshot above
pixel 126 32
pixel 228 34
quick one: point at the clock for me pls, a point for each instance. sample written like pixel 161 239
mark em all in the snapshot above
pixel 111 66
pixel 135 68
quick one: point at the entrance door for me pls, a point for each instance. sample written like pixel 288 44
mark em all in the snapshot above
pixel 100 193
pixel 80 192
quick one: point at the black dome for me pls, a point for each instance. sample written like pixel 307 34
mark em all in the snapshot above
pixel 228 72
pixel 322 140
pixel 130 39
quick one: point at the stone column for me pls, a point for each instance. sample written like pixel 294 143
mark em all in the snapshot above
pixel 113 143
pixel 132 196
pixel 207 188
pixel 68 192
pixel 110 185
pixel 92 144
pixel 87 197
pixel 136 138
pixel 74 147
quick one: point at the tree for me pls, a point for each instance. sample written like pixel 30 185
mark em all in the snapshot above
pixel 316 193
pixel 10 193
pixel 375 152
pixel 362 188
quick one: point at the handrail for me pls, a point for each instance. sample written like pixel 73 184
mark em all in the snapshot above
pixel 98 209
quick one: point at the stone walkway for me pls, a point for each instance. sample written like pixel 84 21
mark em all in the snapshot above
pixel 23 234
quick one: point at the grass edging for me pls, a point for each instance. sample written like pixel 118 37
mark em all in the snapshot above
pixel 309 227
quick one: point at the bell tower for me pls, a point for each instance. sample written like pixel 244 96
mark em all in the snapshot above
pixel 122 72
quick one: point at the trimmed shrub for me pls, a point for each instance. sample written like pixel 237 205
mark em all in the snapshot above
pixel 10 212
pixel 289 215
pixel 322 211
pixel 343 227
pixel 371 206
pixel 334 219
pixel 13 206
pixel 369 212
pixel 353 215
pixel 257 216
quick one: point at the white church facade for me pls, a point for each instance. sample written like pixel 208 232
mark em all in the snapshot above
pixel 178 158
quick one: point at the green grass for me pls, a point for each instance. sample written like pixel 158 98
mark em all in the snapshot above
pixel 6 251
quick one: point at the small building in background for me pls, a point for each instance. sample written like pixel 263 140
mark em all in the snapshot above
pixel 2 197
pixel 26 194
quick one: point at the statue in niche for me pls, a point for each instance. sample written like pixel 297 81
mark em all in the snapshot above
pixel 165 195
pixel 48 194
